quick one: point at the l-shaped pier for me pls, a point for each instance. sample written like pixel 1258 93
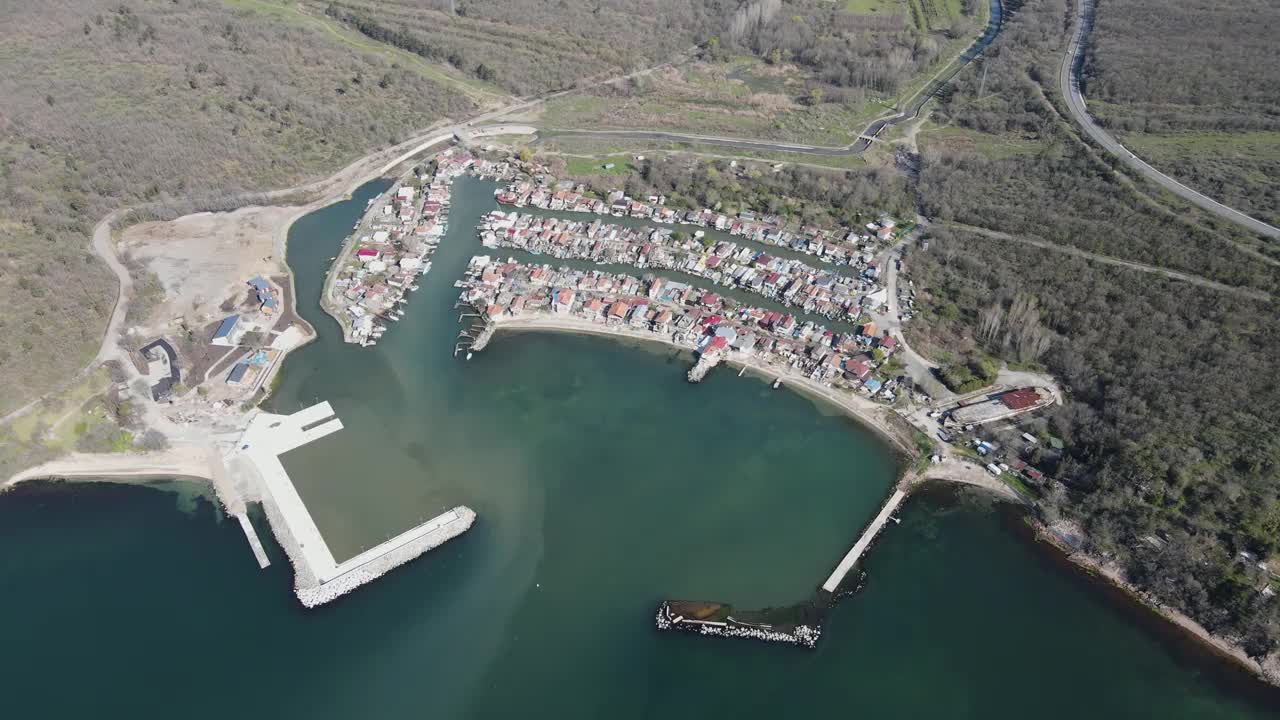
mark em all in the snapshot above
pixel 318 576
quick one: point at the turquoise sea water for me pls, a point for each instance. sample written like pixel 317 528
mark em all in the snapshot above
pixel 603 483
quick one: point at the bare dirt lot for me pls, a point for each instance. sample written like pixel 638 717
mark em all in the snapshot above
pixel 204 259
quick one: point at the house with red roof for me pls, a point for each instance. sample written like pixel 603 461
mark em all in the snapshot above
pixel 563 302
pixel 856 370
pixel 618 311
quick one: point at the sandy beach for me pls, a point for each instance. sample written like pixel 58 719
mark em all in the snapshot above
pixel 186 462
pixel 864 410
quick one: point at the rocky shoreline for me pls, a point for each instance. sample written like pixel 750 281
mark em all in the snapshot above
pixel 1266 669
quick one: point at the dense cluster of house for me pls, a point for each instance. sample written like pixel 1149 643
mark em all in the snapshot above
pixel 791 282
pixel 395 241
pixel 396 238
pixel 685 315
pixel 837 245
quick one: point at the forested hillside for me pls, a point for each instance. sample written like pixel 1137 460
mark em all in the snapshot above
pixel 529 47
pixel 1193 87
pixel 1172 459
pixel 115 102
pixel 849 47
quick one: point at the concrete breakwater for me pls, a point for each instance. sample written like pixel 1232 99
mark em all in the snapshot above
pixel 318 577
pixel 851 558
pixel 377 561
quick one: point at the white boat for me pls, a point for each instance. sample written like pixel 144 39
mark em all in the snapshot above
pixel 412 288
pixel 469 356
pixel 776 383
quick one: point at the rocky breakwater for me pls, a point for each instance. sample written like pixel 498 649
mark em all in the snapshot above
pixel 706 361
pixel 715 619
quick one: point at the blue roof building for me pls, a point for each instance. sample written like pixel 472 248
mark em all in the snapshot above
pixel 222 336
pixel 726 332
pixel 237 373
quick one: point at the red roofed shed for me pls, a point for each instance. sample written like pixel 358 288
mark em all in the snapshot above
pixel 1020 399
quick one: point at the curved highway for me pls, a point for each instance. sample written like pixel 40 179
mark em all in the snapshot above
pixel 1069 80
pixel 865 138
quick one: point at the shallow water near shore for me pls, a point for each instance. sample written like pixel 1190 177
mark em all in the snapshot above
pixel 603 484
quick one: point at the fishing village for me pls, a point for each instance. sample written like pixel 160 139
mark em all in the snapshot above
pixel 840 246
pixel 682 315
pixel 790 282
pixel 833 335
pixel 392 244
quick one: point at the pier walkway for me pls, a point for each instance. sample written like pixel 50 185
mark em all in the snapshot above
pixel 851 558
pixel 252 536
pixel 318 576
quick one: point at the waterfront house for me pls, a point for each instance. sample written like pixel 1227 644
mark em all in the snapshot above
pixel 563 301
pixel 618 312
pixel 662 323
pixel 856 370
pixel 593 308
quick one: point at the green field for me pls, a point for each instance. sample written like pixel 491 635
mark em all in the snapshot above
pixel 994 147
pixel 59 414
pixel 594 152
pixel 578 166
pixel 867 7
pixel 742 97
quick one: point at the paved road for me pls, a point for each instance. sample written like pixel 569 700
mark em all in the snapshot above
pixel 1069 81
pixel 330 188
pixel 918 367
pixel 865 138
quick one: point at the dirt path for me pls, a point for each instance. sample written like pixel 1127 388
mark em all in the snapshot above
pixel 1107 260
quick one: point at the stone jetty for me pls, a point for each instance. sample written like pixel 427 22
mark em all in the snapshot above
pixel 803 635
pixel 706 361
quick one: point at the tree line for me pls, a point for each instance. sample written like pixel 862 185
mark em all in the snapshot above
pixel 1172 459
